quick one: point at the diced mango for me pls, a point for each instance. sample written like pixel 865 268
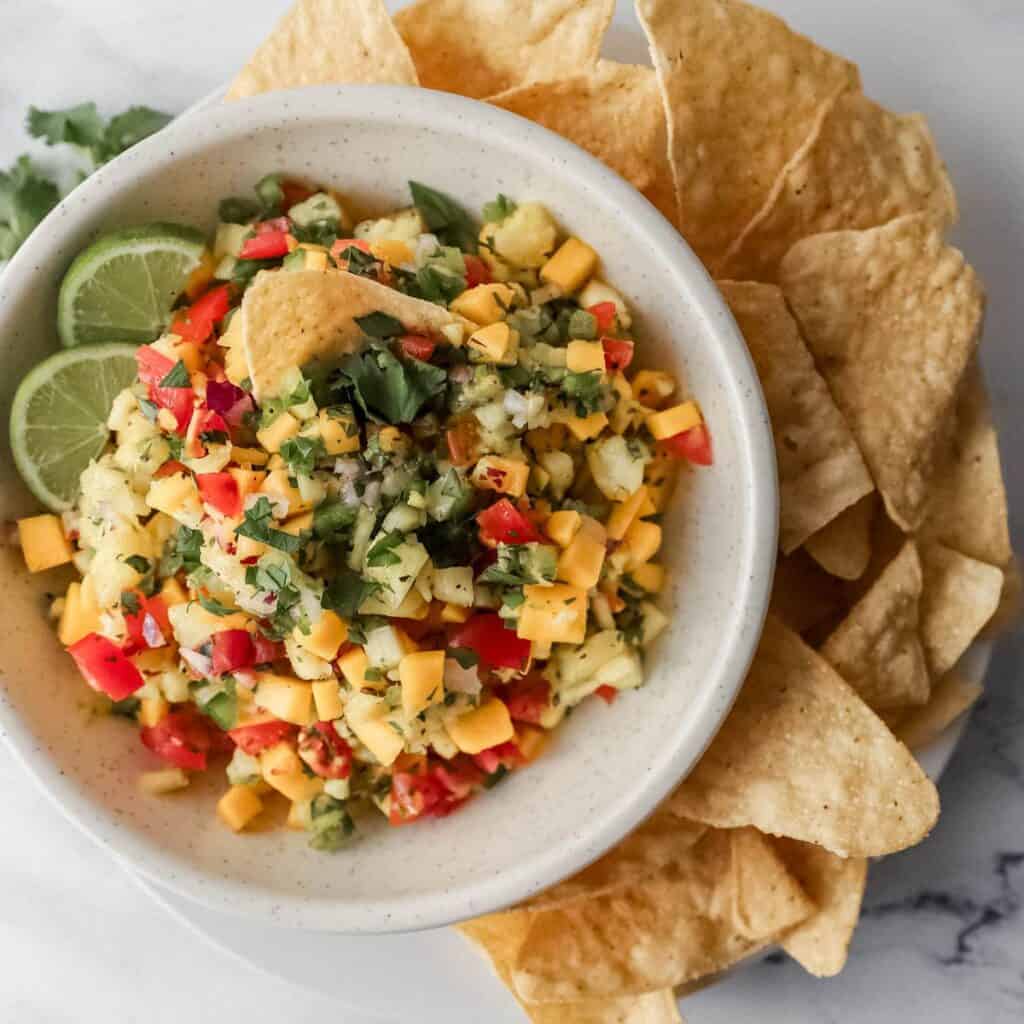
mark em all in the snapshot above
pixel 660 476
pixel 249 480
pixel 642 541
pixel 562 526
pixel 571 266
pixel 281 769
pixel 283 428
pixel 238 806
pixel 163 780
pixel 653 388
pixel 586 428
pixel 580 563
pixel 584 357
pixel 300 814
pixel 248 456
pixel 531 742
pixel 316 259
pixel 152 711
pixel 391 440
pixel 422 677
pixel 278 487
pixel 173 593
pixel 302 523
pixel 324 637
pixel 454 613
pixel 482 728
pixel 81 614
pixel 200 277
pixel 649 577
pixel 392 250
pixel 339 432
pixel 286 698
pixel 155 659
pixel 353 665
pixel 624 512
pixel 248 550
pixel 43 542
pixel 327 699
pixel 557 614
pixel 485 304
pixel 675 420
pixel 496 343
pixel 507 476
pixel 178 496
pixel 374 731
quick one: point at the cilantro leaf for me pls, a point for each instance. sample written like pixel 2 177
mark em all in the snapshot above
pixel 332 520
pixel 132 126
pixel 138 563
pixel 584 391
pixel 214 607
pixel 444 217
pixel 270 193
pixel 301 454
pixel 383 551
pixel 237 210
pixel 362 264
pixel 346 592
pixel 498 209
pixel 380 325
pixel 257 525
pixel 465 656
pixel 450 543
pixel 178 377
pixel 26 197
pixel 391 389
pixel 130 602
pixel 82 126
pixel 182 552
pixel 434 284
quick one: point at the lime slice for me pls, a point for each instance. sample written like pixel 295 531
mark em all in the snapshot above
pixel 122 288
pixel 59 417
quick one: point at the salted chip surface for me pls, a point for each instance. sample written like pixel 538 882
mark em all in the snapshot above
pixel 325 42
pixel 615 113
pixel 861 166
pixel 967 507
pixel 960 595
pixel 742 93
pixel 877 648
pixel 892 317
pixel 730 895
pixel 482 47
pixel 801 755
pixel 836 885
pixel 292 317
pixel 821 471
pixel 843 547
pixel 950 698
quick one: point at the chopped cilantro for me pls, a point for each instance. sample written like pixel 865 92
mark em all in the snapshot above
pixel 380 325
pixel 149 409
pixel 26 197
pixel 138 563
pixel 83 127
pixel 332 521
pixel 270 193
pixel 465 656
pixel 444 217
pixel 236 210
pixel 182 552
pixel 178 377
pixel 213 606
pixel 584 391
pixel 126 708
pixel 257 525
pixel 498 209
pixel 271 408
pixel 245 270
pixel 362 264
pixel 383 551
pixel 388 388
pixel 454 542
pixel 346 592
pixel 302 453
pixel 130 602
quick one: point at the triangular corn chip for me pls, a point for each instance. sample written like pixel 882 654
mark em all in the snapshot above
pixel 742 93
pixel 950 698
pixel 801 755
pixel 862 166
pixel 843 547
pixel 892 317
pixel 327 42
pixel 482 47
pixel 615 113
pixel 877 647
pixel 804 596
pixel 821 471
pixel 290 318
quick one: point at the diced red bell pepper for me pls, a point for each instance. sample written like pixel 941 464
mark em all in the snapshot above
pixel 503 523
pixel 527 701
pixel 618 353
pixel 266 650
pixel 105 666
pixel 295 192
pixel 607 694
pixel 184 738
pixel 169 468
pixel 693 444
pixel 196 323
pixel 325 752
pixel 135 622
pixel 460 776
pixel 180 401
pixel 417 346
pixel 221 492
pixel 604 314
pixel 477 272
pixel 433 790
pixel 504 755
pixel 232 649
pixel 252 739
pixel 494 644
pixel 341 244
pixel 265 247
pixel 153 365
pixel 275 224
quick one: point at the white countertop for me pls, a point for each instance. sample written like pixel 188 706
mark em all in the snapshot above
pixel 943 936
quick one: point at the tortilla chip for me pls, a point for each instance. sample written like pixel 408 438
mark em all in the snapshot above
pixel 1010 602
pixel 804 596
pixel 654 846
pixel 967 507
pixel 892 317
pixel 500 936
pixel 877 647
pixel 729 896
pixel 801 755
pixel 821 471
pixel 951 697
pixel 614 112
pixel 861 167
pixel 742 93
pixel 290 318
pixel 836 884
pixel 482 47
pixel 327 42
pixel 843 547
pixel 960 595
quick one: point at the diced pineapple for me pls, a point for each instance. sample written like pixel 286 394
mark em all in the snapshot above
pixel 193 625
pixel 366 717
pixel 482 728
pixel 324 637
pixel 585 428
pixel 163 780
pixel 282 769
pixel 286 698
pixel 177 496
pixel 649 577
pixel 570 267
pixel 675 420
pixel 585 357
pixel 562 526
pixel 652 388
pixel 642 541
pixel 43 542
pixel 455 613
pixel 327 699
pixel 353 666
pixel 580 563
pixel 454 585
pixel 597 292
pixel 525 239
pixel 617 466
pixel 422 677
pixel 555 613
pixel 81 614
pixel 339 432
pixel 507 476
pixel 625 512
pixel 486 303
pixel 285 427
pixel 278 488
pixel 238 806
pixel 305 665
pixel 152 710
pixel 560 468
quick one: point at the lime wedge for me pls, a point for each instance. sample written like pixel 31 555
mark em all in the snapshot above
pixel 59 417
pixel 122 288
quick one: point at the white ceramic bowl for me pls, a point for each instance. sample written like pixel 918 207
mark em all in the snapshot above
pixel 608 767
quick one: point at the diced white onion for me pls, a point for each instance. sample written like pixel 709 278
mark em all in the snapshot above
pixel 199 663
pixel 461 680
pixel 152 633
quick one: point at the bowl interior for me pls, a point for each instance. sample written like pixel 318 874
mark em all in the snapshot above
pixel 607 766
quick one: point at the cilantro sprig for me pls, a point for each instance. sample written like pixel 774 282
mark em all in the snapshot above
pixel 391 389
pixel 257 526
pixel 83 127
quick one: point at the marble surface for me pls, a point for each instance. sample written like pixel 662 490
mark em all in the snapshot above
pixel 943 935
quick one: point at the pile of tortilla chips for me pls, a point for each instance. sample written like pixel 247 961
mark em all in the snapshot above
pixel 823 215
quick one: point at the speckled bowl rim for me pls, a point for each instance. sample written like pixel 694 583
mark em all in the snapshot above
pixel 445 112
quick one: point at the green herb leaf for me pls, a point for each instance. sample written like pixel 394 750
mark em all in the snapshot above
pixel 271 408
pixel 346 592
pixel 391 389
pixel 257 525
pixel 498 209
pixel 382 553
pixel 83 127
pixel 245 270
pixel 582 325
pixel 332 520
pixel 362 264
pixel 301 454
pixel 127 708
pixel 444 217
pixel 453 542
pixel 214 607
pixel 130 602
pixel 584 391
pixel 270 193
pixel 135 124
pixel 148 409
pixel 178 377
pixel 236 210
pixel 138 563
pixel 26 197
pixel 182 552
pixel 465 656
pixel 380 325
